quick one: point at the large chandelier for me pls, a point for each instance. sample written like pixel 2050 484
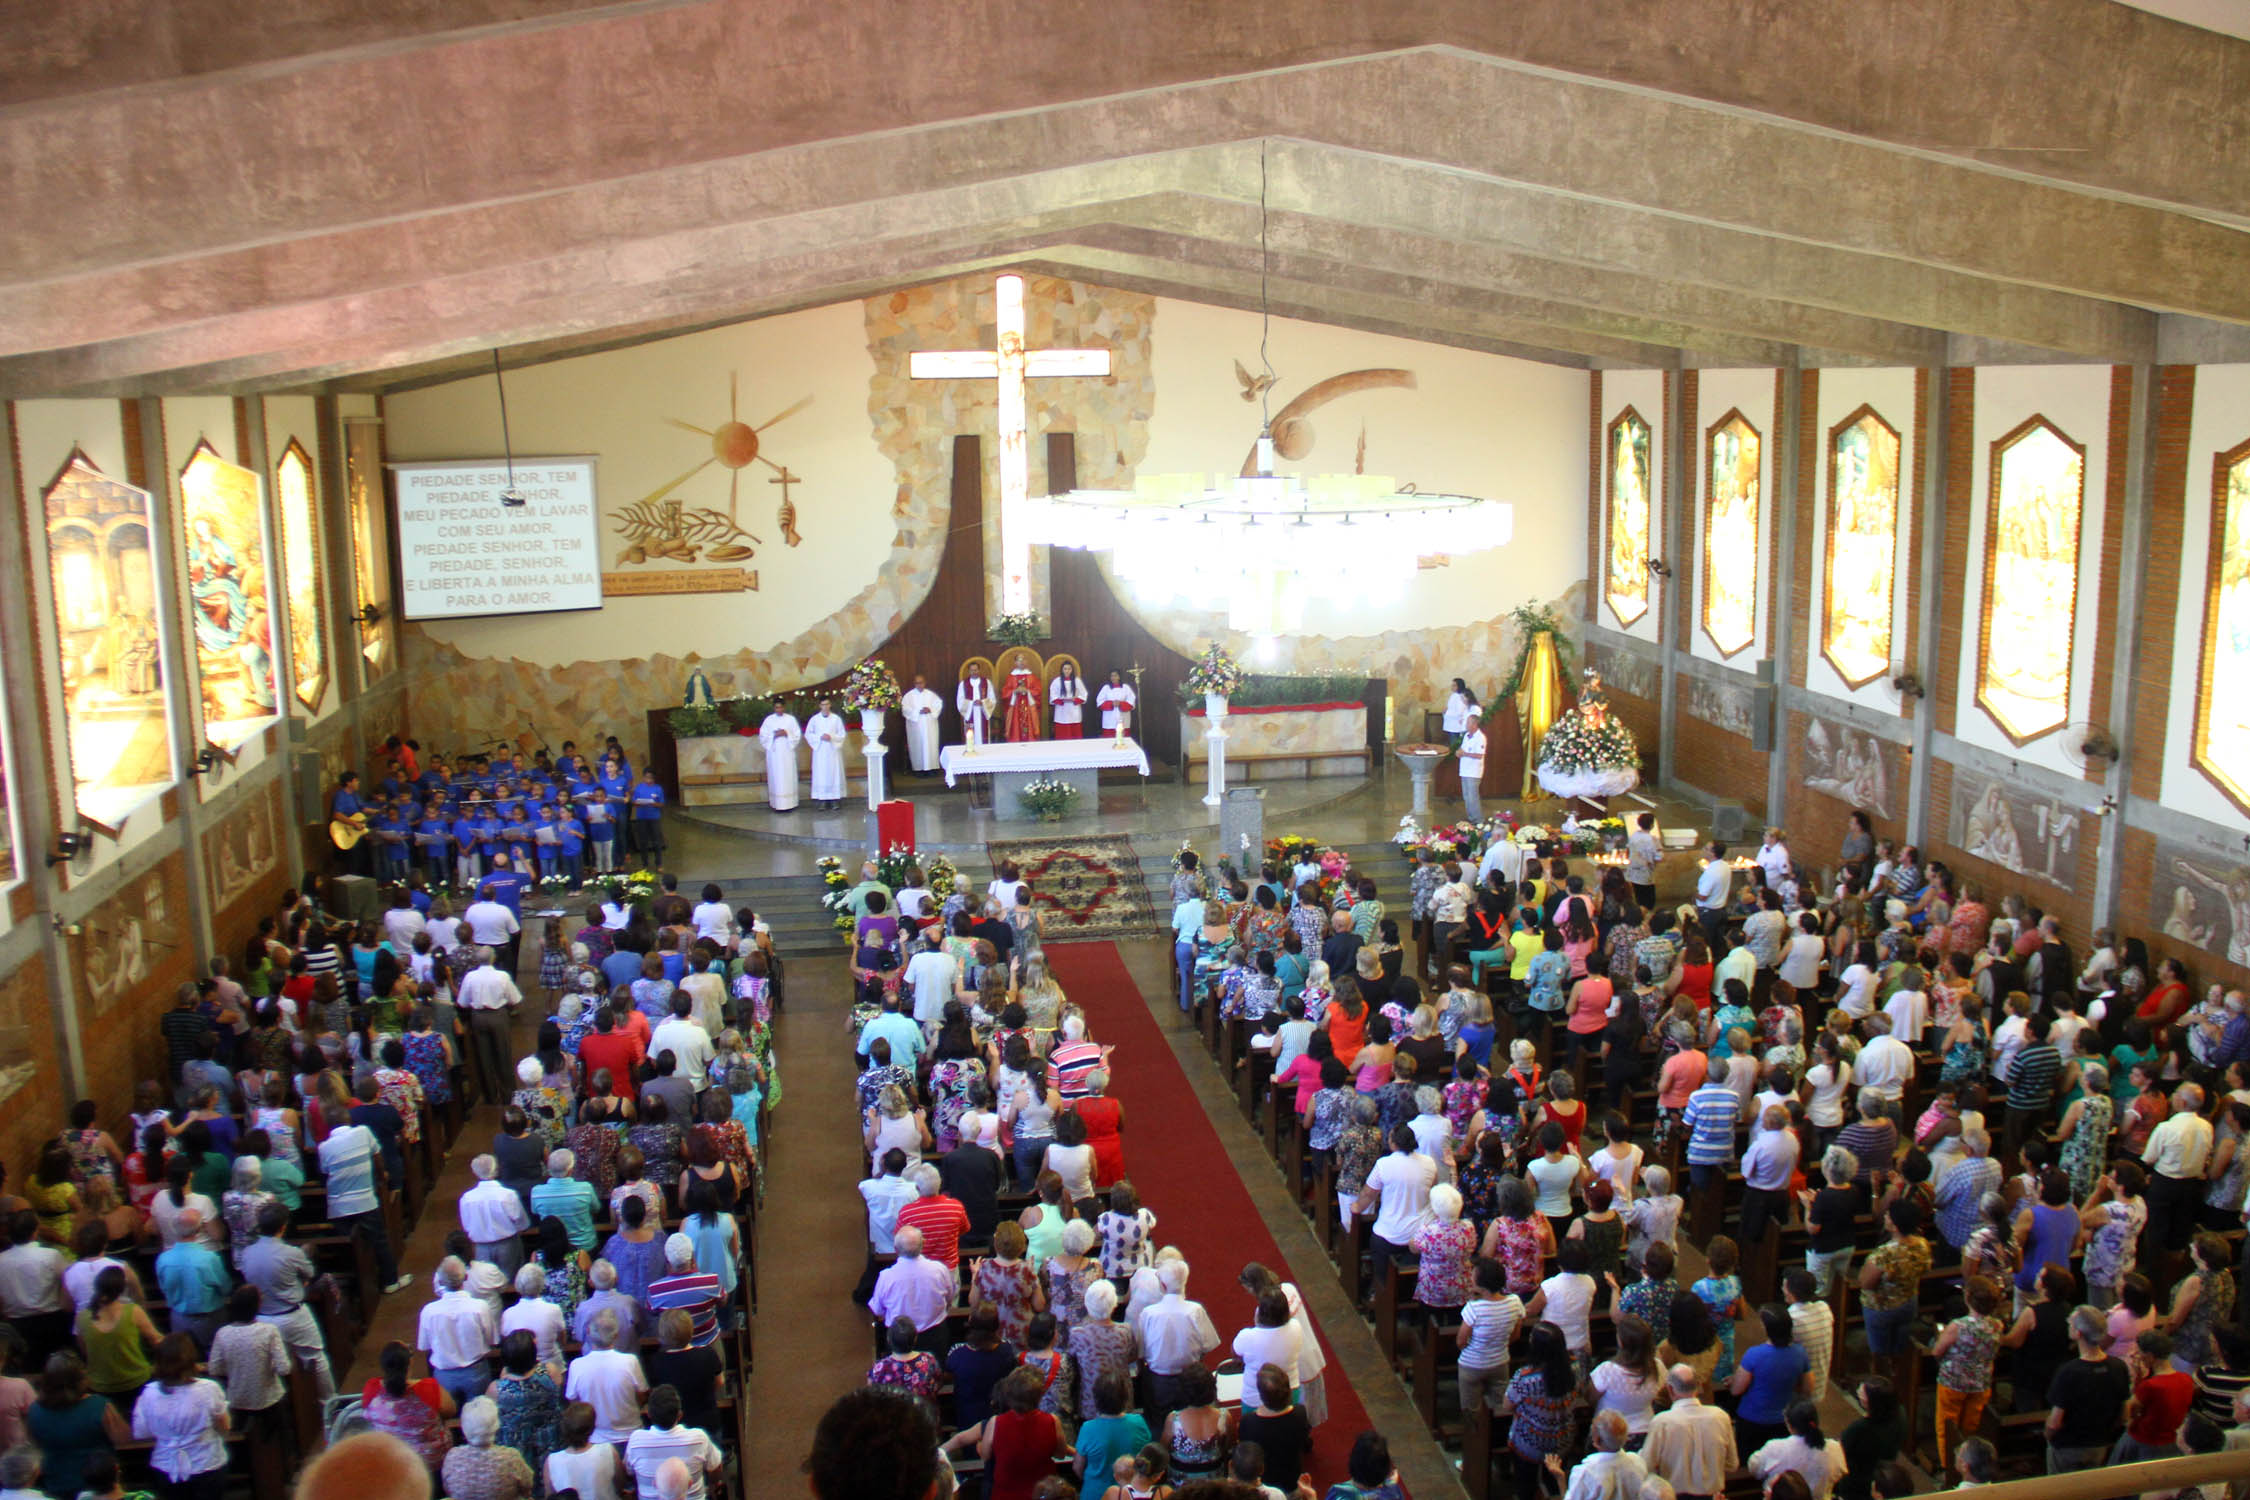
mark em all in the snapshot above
pixel 1264 543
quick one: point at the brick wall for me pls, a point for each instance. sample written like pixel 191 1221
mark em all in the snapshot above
pixel 130 955
pixel 1801 490
pixel 2160 596
pixel 1716 761
pixel 35 1111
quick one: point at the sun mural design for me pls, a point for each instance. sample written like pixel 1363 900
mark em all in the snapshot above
pixel 658 527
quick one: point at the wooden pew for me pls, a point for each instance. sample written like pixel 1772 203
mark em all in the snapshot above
pixel 1394 1292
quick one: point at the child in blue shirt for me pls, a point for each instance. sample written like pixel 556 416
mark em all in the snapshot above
pixel 546 842
pixel 518 838
pixel 648 819
pixel 570 837
pixel 601 827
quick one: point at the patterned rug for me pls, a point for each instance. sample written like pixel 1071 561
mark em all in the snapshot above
pixel 1088 885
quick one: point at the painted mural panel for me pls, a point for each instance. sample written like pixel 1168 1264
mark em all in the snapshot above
pixel 1856 600
pixel 363 487
pixel 2222 710
pixel 1854 766
pixel 108 621
pixel 2201 897
pixel 2017 829
pixel 304 592
pixel 228 602
pixel 2031 579
pixel 1730 533
pixel 243 848
pixel 1626 672
pixel 1625 577
pixel 1718 704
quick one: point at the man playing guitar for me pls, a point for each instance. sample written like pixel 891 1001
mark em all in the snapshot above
pixel 347 826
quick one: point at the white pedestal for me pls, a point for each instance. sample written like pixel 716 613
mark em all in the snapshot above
pixel 1421 766
pixel 875 792
pixel 1215 764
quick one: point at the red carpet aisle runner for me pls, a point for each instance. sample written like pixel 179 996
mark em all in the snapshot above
pixel 1175 1162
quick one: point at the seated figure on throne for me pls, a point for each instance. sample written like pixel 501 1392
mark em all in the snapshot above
pixel 1022 692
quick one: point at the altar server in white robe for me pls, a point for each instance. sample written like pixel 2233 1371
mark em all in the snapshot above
pixel 975 700
pixel 922 707
pixel 824 731
pixel 780 734
pixel 1117 702
pixel 1067 695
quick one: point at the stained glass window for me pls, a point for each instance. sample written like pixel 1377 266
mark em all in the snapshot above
pixel 1625 578
pixel 227 596
pixel 303 594
pixel 1856 596
pixel 2031 579
pixel 1732 493
pixel 2222 718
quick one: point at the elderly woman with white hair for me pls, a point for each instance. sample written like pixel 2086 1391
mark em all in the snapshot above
pixel 1099 1344
pixel 535 1314
pixel 480 1469
pixel 1071 1272
pixel 543 1104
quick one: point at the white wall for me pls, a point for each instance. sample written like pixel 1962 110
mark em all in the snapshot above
pixel 1891 394
pixel 2220 421
pixel 1753 392
pixel 1643 390
pixel 618 405
pixel 1474 424
pixel 2075 398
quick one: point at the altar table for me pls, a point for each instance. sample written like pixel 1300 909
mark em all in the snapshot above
pixel 1012 766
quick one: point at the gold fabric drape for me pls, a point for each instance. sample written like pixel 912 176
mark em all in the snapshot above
pixel 1538 700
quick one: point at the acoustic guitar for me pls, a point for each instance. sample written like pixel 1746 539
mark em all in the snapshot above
pixel 345 833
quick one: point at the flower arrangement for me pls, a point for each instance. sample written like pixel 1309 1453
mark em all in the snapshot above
pixel 554 883
pixel 636 889
pixel 1018 630
pixel 1588 834
pixel 836 892
pixel 1463 840
pixel 1532 619
pixel 871 685
pixel 1049 797
pixel 1214 672
pixel 1291 850
pixel 938 874
pixel 1574 746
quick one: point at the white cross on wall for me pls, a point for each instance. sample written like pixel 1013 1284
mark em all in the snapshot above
pixel 1010 365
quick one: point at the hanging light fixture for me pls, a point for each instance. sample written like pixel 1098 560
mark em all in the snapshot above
pixel 1264 542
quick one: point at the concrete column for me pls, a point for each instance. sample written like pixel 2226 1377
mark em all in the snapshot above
pixel 1783 643
pixel 1930 594
pixel 1675 555
pixel 2125 631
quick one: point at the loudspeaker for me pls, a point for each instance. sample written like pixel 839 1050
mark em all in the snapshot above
pixel 311 780
pixel 1730 822
pixel 1764 703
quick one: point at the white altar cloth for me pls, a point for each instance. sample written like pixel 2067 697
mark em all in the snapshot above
pixel 1040 755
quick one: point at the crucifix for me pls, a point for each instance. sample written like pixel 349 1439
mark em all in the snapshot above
pixel 788 511
pixel 1009 364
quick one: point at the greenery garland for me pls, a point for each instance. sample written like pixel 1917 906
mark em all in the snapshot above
pixel 1532 619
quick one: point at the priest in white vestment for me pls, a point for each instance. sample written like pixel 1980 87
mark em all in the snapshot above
pixel 1117 702
pixel 921 707
pixel 1067 696
pixel 824 731
pixel 780 734
pixel 975 700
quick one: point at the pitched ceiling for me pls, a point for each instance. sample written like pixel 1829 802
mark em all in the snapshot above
pixel 361 194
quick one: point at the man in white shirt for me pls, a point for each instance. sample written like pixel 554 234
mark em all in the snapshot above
pixel 706 989
pixel 1471 755
pixel 1401 1184
pixel 1909 1011
pixel 1885 1063
pixel 689 1044
pixel 487 996
pixel 921 708
pixel 1607 1472
pixel 32 1296
pixel 534 1314
pixel 1711 889
pixel 916 1288
pixel 667 1443
pixel 824 734
pixel 1174 1333
pixel 1690 1445
pixel 608 1379
pixel 933 975
pixel 457 1333
pixel 494 1216
pixel 489 920
pixel 1505 855
pixel 2176 1154
pixel 885 1194
pixel 1643 851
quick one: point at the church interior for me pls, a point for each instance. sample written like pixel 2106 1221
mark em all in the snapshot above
pixel 1824 419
